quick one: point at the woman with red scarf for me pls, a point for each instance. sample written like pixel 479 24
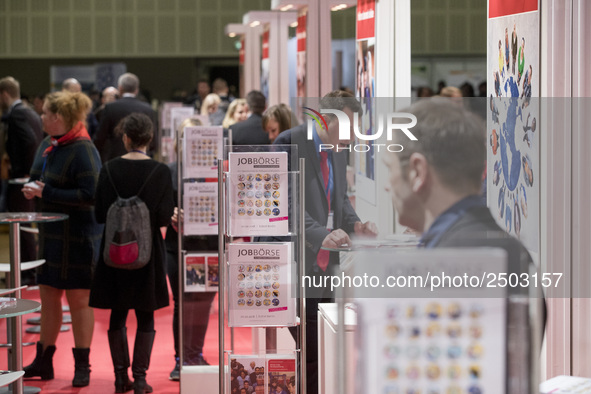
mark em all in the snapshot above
pixel 64 177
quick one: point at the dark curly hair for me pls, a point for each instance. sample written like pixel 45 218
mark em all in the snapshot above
pixel 139 129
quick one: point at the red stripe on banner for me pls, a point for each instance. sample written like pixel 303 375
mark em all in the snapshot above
pixel 266 45
pixel 301 33
pixel 366 19
pixel 498 8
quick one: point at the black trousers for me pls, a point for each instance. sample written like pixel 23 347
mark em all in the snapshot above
pixel 196 308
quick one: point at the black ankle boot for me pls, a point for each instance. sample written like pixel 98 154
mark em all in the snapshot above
pixel 175 374
pixel 82 367
pixel 142 351
pixel 42 366
pixel 120 357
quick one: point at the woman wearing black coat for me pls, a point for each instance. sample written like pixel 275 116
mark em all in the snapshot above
pixel 143 289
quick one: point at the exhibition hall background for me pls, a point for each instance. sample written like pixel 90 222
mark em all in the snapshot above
pixel 170 44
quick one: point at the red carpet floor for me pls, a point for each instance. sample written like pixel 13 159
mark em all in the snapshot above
pixel 101 377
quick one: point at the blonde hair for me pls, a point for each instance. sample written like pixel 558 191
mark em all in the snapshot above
pixel 208 101
pixel 450 91
pixel 181 128
pixel 229 118
pixel 72 107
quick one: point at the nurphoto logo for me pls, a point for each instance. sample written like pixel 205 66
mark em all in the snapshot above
pixel 345 129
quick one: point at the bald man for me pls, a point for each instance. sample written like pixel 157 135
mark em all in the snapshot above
pixel 108 95
pixel 71 85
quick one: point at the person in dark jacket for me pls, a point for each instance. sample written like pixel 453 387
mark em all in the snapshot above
pixel 24 133
pixel 250 131
pixel 143 289
pixel 63 180
pixel 106 139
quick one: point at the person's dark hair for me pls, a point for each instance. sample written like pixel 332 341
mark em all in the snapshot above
pixel 139 129
pixel 467 89
pixel 338 99
pixel 219 85
pixel 424 91
pixel 129 83
pixel 452 139
pixel 256 101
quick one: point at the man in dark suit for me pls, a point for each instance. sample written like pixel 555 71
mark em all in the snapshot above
pixel 330 218
pixel 24 132
pixel 107 142
pixel 24 129
pixel 250 131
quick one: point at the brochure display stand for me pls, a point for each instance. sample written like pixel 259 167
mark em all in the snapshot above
pixel 260 197
pixel 198 266
pixel 434 336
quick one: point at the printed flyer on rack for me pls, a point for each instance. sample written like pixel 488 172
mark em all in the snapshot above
pixel 200 202
pixel 258 194
pixel 267 374
pixel 202 147
pixel 260 285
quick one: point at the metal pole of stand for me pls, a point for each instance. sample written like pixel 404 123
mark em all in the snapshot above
pixel 341 343
pixel 302 255
pixel 222 272
pixel 180 255
pixel 271 339
pixel 16 322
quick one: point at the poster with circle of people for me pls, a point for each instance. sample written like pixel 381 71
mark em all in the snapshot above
pixel 258 201
pixel 260 285
pixel 420 345
pixel 513 143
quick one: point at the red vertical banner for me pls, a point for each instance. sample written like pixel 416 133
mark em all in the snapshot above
pixel 266 44
pixel 365 90
pixel 241 52
pixel 301 54
pixel 241 61
pixel 366 10
pixel 265 65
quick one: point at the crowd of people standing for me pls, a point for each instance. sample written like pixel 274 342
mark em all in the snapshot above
pixel 76 155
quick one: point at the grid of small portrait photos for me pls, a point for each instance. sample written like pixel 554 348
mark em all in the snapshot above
pixel 260 285
pixel 202 147
pixel 258 194
pixel 434 345
pixel 201 272
pixel 274 374
pixel 200 207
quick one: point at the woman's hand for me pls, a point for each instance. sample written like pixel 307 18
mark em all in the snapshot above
pixel 174 220
pixel 33 189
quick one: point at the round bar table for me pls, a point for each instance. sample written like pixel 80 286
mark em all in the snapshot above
pixel 15 219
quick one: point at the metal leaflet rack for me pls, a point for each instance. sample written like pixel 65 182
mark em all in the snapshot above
pixel 222 275
pixel 181 254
